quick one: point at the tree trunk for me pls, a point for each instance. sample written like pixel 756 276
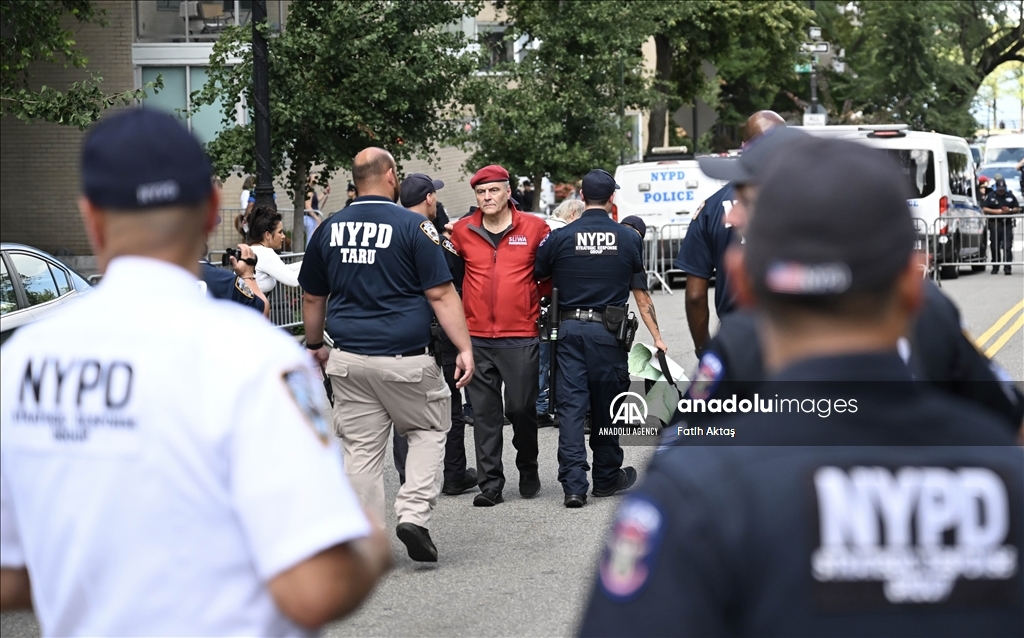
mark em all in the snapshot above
pixel 662 77
pixel 298 213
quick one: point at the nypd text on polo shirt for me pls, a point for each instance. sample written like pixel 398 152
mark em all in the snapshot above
pixel 358 241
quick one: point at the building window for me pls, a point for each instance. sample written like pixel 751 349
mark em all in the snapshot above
pixel 198 20
pixel 497 50
pixel 179 83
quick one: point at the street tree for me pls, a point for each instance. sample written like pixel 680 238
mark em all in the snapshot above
pixel 36 32
pixel 556 111
pixel 753 45
pixel 343 75
pixel 919 63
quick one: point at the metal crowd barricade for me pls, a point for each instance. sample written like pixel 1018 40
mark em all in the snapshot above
pixel 959 240
pixel 650 258
pixel 922 244
pixel 668 241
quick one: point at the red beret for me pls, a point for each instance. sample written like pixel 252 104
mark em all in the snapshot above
pixel 487 174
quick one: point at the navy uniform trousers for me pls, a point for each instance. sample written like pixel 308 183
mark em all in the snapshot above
pixel 592 370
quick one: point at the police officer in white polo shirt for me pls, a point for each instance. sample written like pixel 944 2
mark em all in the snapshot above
pixel 156 477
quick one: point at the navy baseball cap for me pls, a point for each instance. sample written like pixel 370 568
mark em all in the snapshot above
pixel 635 222
pixel 416 187
pixel 746 168
pixel 141 159
pixel 1000 182
pixel 598 185
pixel 831 218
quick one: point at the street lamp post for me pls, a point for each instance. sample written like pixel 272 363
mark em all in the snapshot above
pixel 264 191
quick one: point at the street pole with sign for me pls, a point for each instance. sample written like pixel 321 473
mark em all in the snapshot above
pixel 264 191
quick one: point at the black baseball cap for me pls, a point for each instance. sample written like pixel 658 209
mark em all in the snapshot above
pixel 635 222
pixel 142 159
pixel 745 168
pixel 831 218
pixel 416 187
pixel 598 185
pixel 1000 183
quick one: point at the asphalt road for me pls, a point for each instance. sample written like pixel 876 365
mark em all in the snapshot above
pixel 524 568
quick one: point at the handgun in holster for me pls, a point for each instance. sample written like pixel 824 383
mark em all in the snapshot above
pixel 435 343
pixel 544 319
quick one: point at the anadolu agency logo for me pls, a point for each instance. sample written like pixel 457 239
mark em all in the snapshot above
pixel 628 411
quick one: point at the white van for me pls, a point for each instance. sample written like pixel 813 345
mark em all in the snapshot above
pixel 1004 148
pixel 940 172
pixel 663 193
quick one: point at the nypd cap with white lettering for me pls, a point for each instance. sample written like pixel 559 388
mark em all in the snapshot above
pixel 598 185
pixel 831 218
pixel 142 159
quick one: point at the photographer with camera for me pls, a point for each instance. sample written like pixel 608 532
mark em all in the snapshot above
pixel 223 284
pixel 266 237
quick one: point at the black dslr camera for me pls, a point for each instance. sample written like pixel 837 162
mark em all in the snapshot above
pixel 225 259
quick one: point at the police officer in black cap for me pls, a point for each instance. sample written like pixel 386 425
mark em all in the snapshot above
pixel 936 348
pixel 418 193
pixel 904 517
pixel 1000 201
pixel 592 263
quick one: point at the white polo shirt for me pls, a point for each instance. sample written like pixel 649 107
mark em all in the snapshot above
pixel 155 475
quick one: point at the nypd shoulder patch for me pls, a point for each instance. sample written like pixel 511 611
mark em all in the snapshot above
pixel 710 371
pixel 428 229
pixel 449 246
pixel 632 548
pixel 243 288
pixel 300 387
pixel 700 207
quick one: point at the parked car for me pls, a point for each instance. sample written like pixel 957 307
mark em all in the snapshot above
pixel 33 284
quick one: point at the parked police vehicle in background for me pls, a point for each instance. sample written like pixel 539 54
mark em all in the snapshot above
pixel 665 191
pixel 939 170
pixel 1004 148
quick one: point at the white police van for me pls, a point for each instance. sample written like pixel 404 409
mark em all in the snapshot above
pixel 939 170
pixel 664 193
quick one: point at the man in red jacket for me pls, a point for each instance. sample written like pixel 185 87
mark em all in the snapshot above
pixel 502 302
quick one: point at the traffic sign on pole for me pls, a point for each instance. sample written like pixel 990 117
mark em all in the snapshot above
pixel 816 47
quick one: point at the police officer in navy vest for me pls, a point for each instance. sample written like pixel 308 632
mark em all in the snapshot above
pixel 903 516
pixel 707 238
pixel 375 272
pixel 592 263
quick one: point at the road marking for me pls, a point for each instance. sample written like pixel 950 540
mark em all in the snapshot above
pixel 1001 341
pixel 997 326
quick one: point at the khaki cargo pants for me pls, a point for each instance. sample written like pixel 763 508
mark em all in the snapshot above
pixel 371 393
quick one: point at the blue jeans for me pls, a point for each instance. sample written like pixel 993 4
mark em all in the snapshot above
pixel 545 374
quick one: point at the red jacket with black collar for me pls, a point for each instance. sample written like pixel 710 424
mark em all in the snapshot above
pixel 500 295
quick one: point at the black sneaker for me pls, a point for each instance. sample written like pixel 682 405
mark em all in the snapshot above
pixel 529 485
pixel 417 541
pixel 1007 272
pixel 468 482
pixel 488 498
pixel 627 477
pixel 995 270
